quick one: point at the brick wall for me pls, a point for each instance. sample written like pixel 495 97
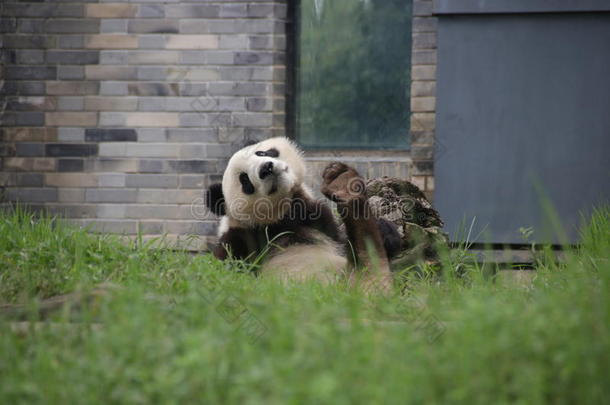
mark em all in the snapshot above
pixel 423 96
pixel 117 114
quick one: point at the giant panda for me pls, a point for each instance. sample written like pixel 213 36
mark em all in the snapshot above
pixel 269 215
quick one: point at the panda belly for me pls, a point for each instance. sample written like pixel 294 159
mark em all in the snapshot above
pixel 302 262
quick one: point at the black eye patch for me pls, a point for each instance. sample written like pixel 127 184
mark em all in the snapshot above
pixel 246 185
pixel 270 153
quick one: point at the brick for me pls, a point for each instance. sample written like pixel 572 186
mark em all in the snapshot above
pixel 193 151
pixel 29 179
pixel 146 211
pixel 109 226
pixel 79 88
pixel 71 119
pixel 110 72
pixel 191 227
pixel 111 41
pixel 29 134
pixel 238 89
pixel 23 118
pixel 151 42
pixel 142 119
pixel 262 10
pixel 113 26
pixel 110 195
pixel 153 89
pixel 423 57
pixel 43 10
pixel 113 119
pixel 424 40
pixel 151 181
pixel 29 41
pixel 30 56
pixel 151 11
pixel 111 180
pixel 191 42
pixel 247 73
pixel 70 150
pixel 111 210
pixel 153 57
pixel 114 57
pixel 70 180
pixel 30 103
pixel 100 103
pixel 114 165
pixel 422 152
pixel 193 181
pixel 150 166
pixel 423 73
pixel 112 149
pixel 233 42
pixel 151 196
pixel 71 194
pixel 196 120
pixel 151 227
pixel 220 58
pixel 423 104
pixel 70 165
pixel 424 24
pixel 66 134
pixel 191 11
pixel 252 119
pixel 152 135
pixel 73 57
pixel 67 103
pixel 254 58
pixel 258 104
pixel 111 10
pixel 110 135
pixel 423 121
pixel 191 166
pixel 422 138
pixel 152 150
pixel 422 8
pixel 113 89
pixel 70 72
pixel 30 72
pixel 191 135
pixel 71 26
pixel 31 194
pixel 151 73
pixel 29 149
pixel 153 26
pixel 233 10
pixel 151 104
pixel 423 89
pixel 71 41
pixel 26 25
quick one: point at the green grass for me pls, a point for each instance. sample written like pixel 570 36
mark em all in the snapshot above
pixel 189 329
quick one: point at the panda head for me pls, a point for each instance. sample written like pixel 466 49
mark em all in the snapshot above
pixel 258 181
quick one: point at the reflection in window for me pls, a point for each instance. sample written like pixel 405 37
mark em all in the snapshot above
pixel 353 73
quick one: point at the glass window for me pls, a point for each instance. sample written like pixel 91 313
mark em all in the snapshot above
pixel 353 74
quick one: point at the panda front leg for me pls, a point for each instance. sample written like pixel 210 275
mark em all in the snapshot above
pixel 366 253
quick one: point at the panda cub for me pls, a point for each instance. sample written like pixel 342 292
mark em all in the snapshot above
pixel 267 211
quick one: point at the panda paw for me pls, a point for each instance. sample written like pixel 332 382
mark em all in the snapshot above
pixel 342 184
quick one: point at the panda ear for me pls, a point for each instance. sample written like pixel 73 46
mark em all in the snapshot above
pixel 215 200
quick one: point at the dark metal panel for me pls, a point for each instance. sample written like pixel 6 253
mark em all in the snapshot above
pixel 522 100
pixel 519 6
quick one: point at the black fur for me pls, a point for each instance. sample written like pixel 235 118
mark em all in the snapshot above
pixel 215 200
pixel 274 153
pixel 246 185
pixel 392 241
